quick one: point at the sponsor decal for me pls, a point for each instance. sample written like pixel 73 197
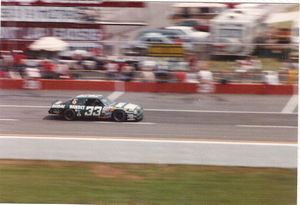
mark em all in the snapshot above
pixel 166 50
pixel 120 105
pixel 68 34
pixel 41 14
pixel 74 101
pixel 58 106
pixel 206 88
pixel 93 111
pixel 78 113
pixel 130 106
pixel 130 116
pixel 32 84
pixel 77 107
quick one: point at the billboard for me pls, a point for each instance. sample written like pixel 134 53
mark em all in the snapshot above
pixel 67 34
pixel 166 50
pixel 44 14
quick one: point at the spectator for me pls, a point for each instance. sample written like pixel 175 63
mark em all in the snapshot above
pixel 63 70
pixel 14 74
pixel 243 68
pixel 162 74
pixel 292 76
pixel 32 73
pixel 205 77
pixel 3 73
pixel 19 61
pixel 193 62
pixel 7 60
pixel 290 69
pixel 98 58
pixel 271 78
pixel 127 72
pixel 293 66
pixel 112 70
pixel 148 76
pixel 224 78
pixel 180 76
pixel 49 69
pixel 79 61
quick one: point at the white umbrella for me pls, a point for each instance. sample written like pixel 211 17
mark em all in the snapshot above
pixel 49 44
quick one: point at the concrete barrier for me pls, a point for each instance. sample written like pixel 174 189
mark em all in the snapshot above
pixel 161 87
pixel 52 84
pixel 11 83
pixel 262 89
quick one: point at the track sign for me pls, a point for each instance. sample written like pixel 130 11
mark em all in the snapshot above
pixel 166 50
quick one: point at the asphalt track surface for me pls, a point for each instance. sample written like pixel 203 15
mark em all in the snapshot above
pixel 196 123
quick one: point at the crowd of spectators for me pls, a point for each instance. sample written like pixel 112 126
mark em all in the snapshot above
pixel 17 65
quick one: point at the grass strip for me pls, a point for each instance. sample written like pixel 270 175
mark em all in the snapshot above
pixel 113 184
pixel 230 65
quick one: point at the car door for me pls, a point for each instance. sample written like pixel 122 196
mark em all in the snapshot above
pixel 78 105
pixel 93 108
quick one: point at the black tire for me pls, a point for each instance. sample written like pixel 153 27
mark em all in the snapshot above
pixel 69 115
pixel 119 116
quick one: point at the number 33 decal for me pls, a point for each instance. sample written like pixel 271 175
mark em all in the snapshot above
pixel 93 111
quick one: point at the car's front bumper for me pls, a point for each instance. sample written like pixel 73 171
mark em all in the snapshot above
pixel 135 116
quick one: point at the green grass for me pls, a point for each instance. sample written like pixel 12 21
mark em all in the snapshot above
pixel 95 183
pixel 230 65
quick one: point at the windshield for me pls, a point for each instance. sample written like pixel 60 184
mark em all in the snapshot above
pixel 106 101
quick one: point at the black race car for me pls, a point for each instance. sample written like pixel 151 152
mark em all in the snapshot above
pixel 97 107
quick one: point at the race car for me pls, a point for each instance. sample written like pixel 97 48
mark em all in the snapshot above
pixel 96 107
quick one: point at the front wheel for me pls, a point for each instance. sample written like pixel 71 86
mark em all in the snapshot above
pixel 69 115
pixel 119 116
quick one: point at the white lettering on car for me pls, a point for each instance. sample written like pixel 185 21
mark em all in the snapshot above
pixel 97 111
pixel 58 106
pixel 77 107
pixel 93 111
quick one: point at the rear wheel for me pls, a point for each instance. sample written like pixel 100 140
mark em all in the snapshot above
pixel 69 115
pixel 119 116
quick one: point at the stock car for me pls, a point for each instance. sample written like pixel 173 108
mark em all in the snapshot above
pixel 96 107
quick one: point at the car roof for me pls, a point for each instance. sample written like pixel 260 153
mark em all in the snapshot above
pixel 89 96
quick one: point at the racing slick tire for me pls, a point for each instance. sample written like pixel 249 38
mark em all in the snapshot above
pixel 119 116
pixel 69 115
